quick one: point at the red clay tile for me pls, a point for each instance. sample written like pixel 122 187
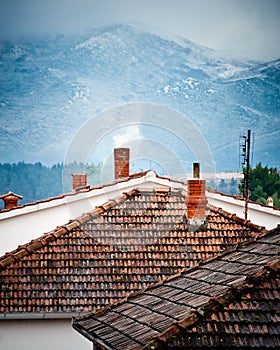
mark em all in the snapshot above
pixel 142 238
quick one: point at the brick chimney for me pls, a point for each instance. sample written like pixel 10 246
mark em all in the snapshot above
pixel 121 163
pixel 79 182
pixel 196 199
pixel 10 199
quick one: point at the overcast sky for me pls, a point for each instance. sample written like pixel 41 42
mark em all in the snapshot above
pixel 248 28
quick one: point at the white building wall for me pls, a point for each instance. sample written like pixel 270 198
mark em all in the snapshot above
pixel 257 214
pixel 19 226
pixel 41 335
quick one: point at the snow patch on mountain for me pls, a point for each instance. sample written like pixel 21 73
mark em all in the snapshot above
pixel 50 87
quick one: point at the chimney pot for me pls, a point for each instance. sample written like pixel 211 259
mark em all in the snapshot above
pixel 121 162
pixel 10 199
pixel 79 181
pixel 196 170
pixel 269 201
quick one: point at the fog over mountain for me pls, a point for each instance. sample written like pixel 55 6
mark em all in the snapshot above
pixel 52 86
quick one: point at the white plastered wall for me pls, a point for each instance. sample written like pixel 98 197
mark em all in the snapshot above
pixel 54 334
pixel 257 214
pixel 19 226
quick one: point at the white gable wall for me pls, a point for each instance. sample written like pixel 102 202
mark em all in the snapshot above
pixel 55 334
pixel 19 226
pixel 258 214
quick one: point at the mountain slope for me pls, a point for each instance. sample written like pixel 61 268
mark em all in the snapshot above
pixel 50 87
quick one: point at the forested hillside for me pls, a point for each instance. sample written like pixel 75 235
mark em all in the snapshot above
pixel 37 181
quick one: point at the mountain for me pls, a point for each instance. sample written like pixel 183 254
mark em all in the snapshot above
pixel 50 87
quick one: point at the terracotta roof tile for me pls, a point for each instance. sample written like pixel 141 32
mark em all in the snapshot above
pixel 252 319
pixel 123 246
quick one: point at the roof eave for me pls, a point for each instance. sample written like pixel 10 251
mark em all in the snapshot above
pixel 89 336
pixel 39 315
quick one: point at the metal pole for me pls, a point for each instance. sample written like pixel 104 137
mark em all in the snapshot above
pixel 247 173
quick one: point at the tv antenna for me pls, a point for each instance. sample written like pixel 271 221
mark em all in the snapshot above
pixel 244 159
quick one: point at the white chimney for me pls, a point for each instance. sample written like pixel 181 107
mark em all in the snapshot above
pixel 269 201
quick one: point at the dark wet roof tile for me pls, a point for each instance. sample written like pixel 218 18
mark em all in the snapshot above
pixel 229 296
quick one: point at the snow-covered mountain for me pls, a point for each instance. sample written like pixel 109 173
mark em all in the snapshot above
pixel 50 87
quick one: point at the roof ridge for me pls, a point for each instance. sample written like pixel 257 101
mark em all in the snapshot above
pixel 238 219
pixel 215 303
pixel 26 249
pixel 162 189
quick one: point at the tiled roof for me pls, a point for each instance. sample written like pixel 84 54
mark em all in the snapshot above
pixel 120 247
pixel 251 320
pixel 231 301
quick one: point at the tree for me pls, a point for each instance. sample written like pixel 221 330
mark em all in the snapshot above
pixel 264 182
pixel 233 186
pixel 37 181
pixel 222 186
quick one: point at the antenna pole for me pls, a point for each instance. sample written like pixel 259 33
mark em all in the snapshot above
pixel 247 174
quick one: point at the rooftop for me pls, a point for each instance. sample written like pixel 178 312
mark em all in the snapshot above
pixel 120 247
pixel 230 301
pixel 22 223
